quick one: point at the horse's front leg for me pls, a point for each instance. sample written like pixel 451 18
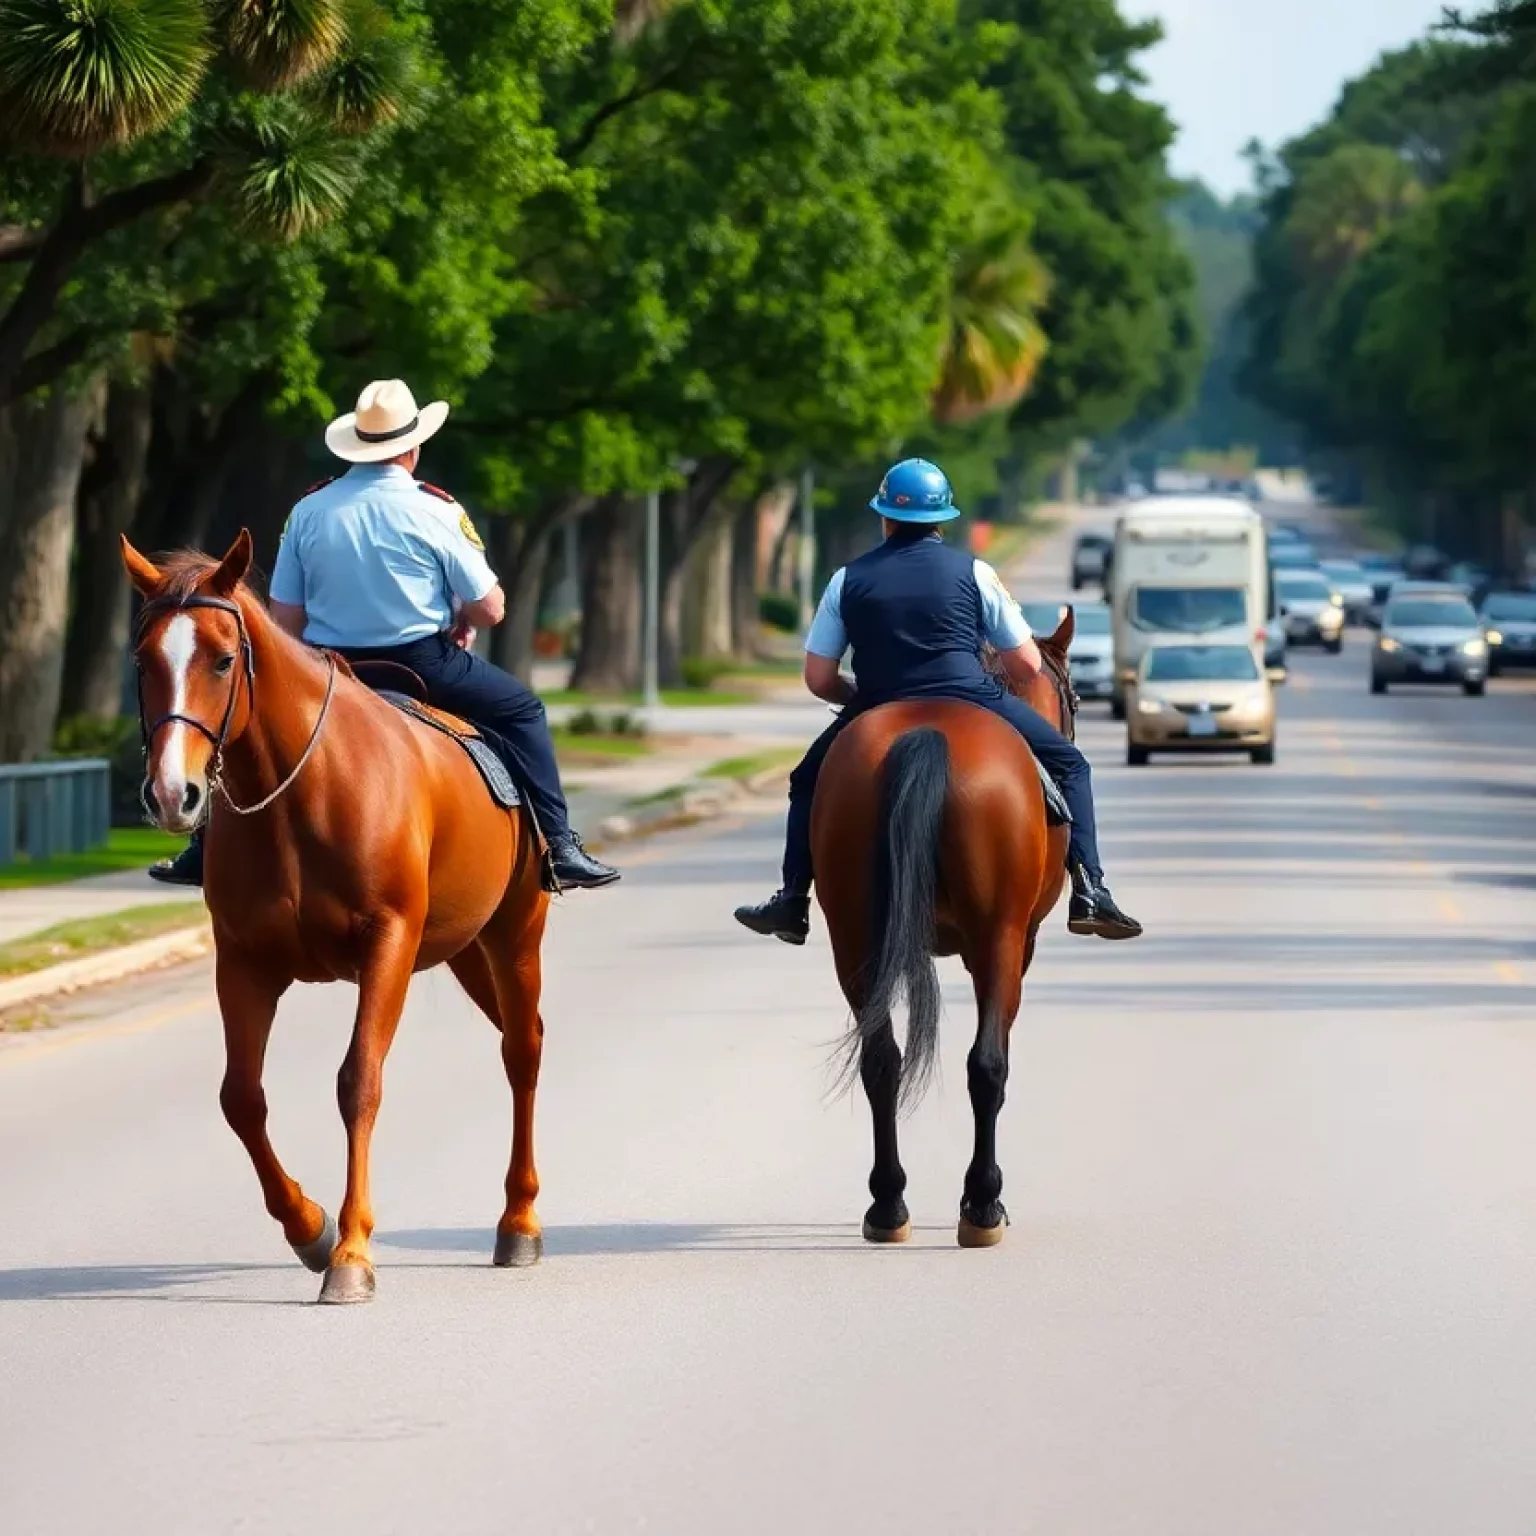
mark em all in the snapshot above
pixel 248 997
pixel 999 984
pixel 383 980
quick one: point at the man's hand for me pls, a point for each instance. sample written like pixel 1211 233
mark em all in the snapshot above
pixel 463 633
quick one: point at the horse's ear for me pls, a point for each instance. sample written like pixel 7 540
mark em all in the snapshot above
pixel 143 573
pixel 233 567
pixel 1065 630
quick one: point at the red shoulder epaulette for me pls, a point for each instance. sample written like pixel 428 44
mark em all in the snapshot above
pixel 319 485
pixel 434 490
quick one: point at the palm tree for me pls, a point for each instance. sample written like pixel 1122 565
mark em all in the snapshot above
pixel 81 76
pixel 995 343
pixel 1344 203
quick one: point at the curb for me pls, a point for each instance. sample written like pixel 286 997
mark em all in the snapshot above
pixel 110 965
pixel 694 802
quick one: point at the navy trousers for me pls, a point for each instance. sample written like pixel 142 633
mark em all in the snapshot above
pixel 467 685
pixel 1062 759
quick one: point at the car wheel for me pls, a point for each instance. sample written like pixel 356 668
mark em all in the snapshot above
pixel 1136 757
pixel 1117 709
pixel 1263 755
pixel 1377 685
pixel 1333 647
pixel 1473 690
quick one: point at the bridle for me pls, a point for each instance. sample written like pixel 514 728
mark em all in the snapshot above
pixel 157 607
pixel 1066 695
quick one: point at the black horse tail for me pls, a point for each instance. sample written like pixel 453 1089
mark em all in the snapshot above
pixel 913 789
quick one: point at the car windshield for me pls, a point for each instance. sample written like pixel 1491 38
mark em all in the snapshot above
pixel 1092 541
pixel 1090 621
pixel 1191 610
pixel 1510 605
pixel 1043 618
pixel 1292 555
pixel 1304 589
pixel 1201 664
pixel 1431 613
pixel 1345 570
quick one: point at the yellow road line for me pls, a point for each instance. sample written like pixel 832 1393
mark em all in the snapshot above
pixel 1449 910
pixel 1506 972
pixel 51 1041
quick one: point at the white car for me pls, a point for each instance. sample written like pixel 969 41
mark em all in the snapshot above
pixel 1350 580
pixel 1312 612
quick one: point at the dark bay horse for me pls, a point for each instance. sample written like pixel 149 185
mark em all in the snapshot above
pixel 345 842
pixel 952 855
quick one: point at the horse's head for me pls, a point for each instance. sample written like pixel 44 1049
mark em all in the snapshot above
pixel 1050 692
pixel 195 674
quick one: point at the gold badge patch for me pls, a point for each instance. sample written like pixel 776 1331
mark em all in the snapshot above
pixel 467 528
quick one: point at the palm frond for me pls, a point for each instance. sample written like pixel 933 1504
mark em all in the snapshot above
pixel 78 76
pixel 292 174
pixel 278 43
pixel 370 80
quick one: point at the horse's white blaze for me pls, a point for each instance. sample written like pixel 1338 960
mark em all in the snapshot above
pixel 178 645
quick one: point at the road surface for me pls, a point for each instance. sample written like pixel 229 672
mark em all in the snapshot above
pixel 1272 1174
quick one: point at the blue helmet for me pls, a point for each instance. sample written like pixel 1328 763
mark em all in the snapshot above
pixel 915 491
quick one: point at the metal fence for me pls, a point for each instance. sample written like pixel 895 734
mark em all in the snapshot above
pixel 55 807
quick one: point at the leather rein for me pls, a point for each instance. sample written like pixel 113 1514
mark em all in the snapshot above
pixel 1066 694
pixel 159 606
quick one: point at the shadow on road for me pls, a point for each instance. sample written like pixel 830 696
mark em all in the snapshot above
pixel 651 1237
pixel 139 1282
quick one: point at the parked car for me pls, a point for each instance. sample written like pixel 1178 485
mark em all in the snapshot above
pixel 1349 580
pixel 1092 653
pixel 1509 627
pixel 1200 698
pixel 1090 557
pixel 1312 612
pixel 1429 634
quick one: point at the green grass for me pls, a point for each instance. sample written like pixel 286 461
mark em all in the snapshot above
pixel 126 848
pixel 569 748
pixel 760 762
pixel 90 935
pixel 705 696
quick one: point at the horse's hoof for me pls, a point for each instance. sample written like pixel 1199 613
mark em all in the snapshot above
pixel 887 1224
pixel 347 1283
pixel 316 1255
pixel 518 1250
pixel 874 1234
pixel 970 1235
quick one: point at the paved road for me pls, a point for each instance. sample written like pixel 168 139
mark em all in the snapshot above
pixel 1272 1174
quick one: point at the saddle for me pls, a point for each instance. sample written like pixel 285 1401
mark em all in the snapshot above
pixel 402 688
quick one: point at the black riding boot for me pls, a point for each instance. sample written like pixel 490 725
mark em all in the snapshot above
pixel 1093 910
pixel 185 869
pixel 785 916
pixel 571 865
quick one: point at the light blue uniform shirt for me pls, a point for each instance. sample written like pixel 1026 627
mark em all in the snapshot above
pixel 374 560
pixel 1005 626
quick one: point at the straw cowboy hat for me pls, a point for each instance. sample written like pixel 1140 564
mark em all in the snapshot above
pixel 385 423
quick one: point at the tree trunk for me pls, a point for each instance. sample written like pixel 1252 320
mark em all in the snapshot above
pixel 708 602
pixel 110 488
pixel 42 450
pixel 609 658
pixel 743 582
pixel 519 554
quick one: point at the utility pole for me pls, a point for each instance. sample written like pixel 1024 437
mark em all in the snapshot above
pixel 651 638
pixel 807 551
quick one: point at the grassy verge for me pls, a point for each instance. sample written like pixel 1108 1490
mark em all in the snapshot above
pixel 90 935
pixel 680 696
pixel 126 848
pixel 598 748
pixel 748 767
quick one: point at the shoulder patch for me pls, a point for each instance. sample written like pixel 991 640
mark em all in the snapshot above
pixel 433 490
pixel 467 528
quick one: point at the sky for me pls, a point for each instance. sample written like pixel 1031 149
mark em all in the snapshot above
pixel 1233 70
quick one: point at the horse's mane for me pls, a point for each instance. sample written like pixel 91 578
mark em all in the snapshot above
pixel 185 570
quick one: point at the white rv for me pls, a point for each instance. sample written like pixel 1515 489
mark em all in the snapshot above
pixel 1186 566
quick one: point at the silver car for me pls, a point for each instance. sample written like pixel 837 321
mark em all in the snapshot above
pixel 1090 653
pixel 1350 581
pixel 1311 611
pixel 1429 634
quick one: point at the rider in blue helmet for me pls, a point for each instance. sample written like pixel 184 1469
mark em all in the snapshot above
pixel 916 613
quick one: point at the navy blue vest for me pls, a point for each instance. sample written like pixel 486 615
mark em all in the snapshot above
pixel 912 610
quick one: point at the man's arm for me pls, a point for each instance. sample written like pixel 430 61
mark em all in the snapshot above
pixel 1006 628
pixel 1022 663
pixel 824 679
pixel 485 612
pixel 825 644
pixel 289 616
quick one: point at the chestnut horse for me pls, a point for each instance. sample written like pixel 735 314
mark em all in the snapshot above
pixel 345 842
pixel 952 856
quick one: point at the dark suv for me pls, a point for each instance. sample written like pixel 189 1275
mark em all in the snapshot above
pixel 1090 559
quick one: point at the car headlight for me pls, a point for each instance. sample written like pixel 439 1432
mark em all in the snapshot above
pixel 1387 643
pixel 1493 637
pixel 1336 599
pixel 1473 648
pixel 1149 707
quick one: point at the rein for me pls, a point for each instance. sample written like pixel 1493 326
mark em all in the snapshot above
pixel 220 739
pixel 1066 694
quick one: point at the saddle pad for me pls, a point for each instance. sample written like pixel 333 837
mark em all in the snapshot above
pixel 1056 812
pixel 497 778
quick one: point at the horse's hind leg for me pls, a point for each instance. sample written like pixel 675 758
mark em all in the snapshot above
pixel 511 943
pixel 384 979
pixel 999 983
pixel 473 972
pixel 248 999
pixel 887 1220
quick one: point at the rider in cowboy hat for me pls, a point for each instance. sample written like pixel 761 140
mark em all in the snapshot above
pixel 376 564
pixel 916 613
